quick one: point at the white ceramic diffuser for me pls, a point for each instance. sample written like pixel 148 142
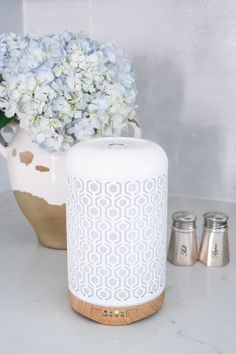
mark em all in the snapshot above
pixel 116 228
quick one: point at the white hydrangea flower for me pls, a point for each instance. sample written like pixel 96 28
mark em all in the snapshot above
pixel 65 88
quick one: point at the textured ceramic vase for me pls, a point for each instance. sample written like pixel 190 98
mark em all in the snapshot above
pixel 37 181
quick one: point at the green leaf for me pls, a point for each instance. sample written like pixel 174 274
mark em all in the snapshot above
pixel 4 120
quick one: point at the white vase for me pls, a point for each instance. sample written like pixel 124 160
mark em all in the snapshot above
pixel 37 180
pixel 38 183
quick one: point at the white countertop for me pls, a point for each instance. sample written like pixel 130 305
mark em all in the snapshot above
pixel 198 317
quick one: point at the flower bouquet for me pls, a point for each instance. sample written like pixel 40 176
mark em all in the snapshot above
pixel 55 91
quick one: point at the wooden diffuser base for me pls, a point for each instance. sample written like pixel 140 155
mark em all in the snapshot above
pixel 116 316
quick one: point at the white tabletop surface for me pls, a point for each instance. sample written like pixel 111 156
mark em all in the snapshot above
pixel 198 317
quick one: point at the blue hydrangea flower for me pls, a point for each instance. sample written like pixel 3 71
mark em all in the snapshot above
pixel 65 88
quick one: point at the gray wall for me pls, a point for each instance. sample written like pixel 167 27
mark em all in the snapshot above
pixel 184 53
pixel 10 21
pixel 11 17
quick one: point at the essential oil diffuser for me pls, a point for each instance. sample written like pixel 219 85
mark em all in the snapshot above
pixel 116 228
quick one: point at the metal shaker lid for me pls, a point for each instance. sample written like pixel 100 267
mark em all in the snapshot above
pixel 184 220
pixel 215 220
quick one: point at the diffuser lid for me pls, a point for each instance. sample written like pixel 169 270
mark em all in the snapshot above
pixel 116 157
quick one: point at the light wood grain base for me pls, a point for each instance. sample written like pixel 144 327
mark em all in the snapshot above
pixel 114 316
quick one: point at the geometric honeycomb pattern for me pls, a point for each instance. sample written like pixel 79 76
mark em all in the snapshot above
pixel 116 240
